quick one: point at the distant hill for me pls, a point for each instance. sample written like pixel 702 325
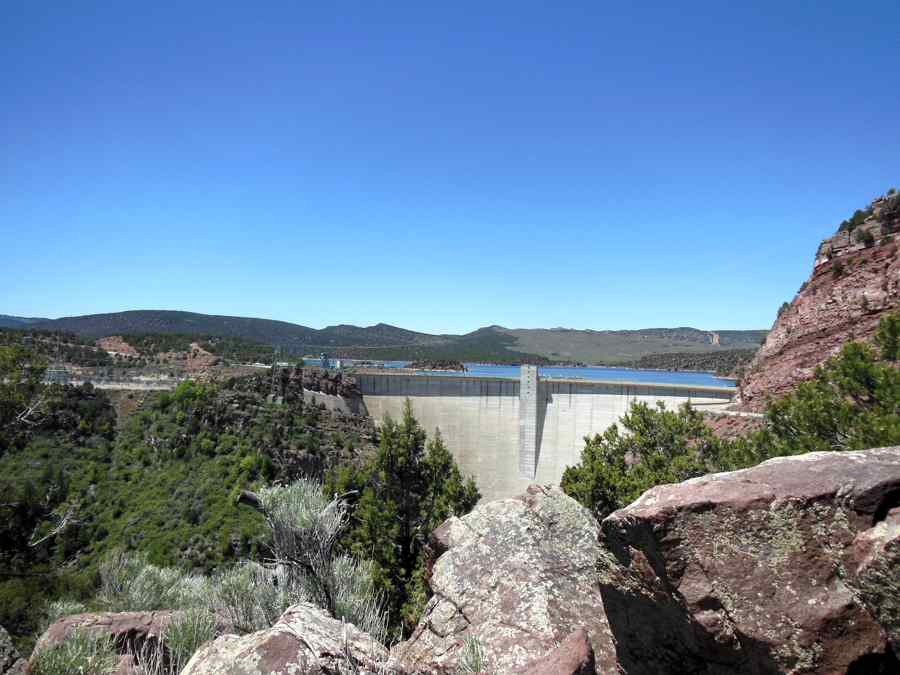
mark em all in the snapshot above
pixel 7 321
pixel 624 346
pixel 287 335
pixel 383 341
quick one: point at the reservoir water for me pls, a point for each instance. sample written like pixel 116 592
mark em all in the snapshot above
pixel 595 373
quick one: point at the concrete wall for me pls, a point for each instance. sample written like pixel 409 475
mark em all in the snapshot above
pixel 480 421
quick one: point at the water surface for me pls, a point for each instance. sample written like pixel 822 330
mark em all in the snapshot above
pixel 594 373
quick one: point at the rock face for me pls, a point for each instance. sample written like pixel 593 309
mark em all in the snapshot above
pixel 850 288
pixel 520 575
pixel 305 640
pixel 130 630
pixel 790 566
pixel 10 663
pixel 574 656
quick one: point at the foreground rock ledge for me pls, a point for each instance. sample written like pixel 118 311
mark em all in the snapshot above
pixel 791 566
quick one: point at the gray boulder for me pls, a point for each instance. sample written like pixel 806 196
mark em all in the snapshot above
pixel 520 576
pixel 305 640
pixel 10 663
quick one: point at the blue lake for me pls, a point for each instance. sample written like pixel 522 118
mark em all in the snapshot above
pixel 587 373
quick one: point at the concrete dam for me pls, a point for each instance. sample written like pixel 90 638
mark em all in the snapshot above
pixel 504 432
pixel 508 433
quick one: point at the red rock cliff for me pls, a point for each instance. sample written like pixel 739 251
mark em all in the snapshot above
pixel 855 279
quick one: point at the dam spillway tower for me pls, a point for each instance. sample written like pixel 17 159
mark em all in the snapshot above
pixel 528 417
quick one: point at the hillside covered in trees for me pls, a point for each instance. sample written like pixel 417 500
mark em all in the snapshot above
pixel 80 486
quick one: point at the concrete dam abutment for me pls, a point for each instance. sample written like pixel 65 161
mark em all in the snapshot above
pixel 511 433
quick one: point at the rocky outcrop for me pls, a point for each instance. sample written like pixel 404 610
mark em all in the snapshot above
pixel 304 640
pixel 126 628
pixel 10 663
pixel 851 286
pixel 518 575
pixel 790 566
pixel 130 631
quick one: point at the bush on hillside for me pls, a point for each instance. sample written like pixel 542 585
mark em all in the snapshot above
pixel 656 446
pixel 82 652
pixel 865 237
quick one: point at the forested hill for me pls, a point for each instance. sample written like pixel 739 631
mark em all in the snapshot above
pixel 7 321
pixel 383 341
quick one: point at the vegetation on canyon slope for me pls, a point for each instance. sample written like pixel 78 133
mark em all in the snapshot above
pixel 164 483
pixel 727 362
pixel 852 403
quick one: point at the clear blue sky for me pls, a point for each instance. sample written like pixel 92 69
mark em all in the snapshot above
pixel 440 166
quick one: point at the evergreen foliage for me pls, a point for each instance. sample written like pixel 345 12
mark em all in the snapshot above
pixel 405 491
pixel 852 403
pixel 657 446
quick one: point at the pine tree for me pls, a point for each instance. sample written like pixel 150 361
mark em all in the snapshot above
pixel 409 487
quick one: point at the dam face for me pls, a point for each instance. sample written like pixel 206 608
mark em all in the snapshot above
pixel 508 434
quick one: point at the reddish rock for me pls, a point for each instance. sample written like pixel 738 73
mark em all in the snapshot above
pixel 131 631
pixel 829 310
pixel 128 629
pixel 729 426
pixel 790 566
pixel 574 656
pixel 872 566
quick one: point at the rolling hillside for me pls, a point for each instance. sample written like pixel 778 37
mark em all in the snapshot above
pixel 622 346
pixel 383 341
pixel 7 321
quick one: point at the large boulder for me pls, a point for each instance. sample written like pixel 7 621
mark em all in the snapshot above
pixel 520 576
pixel 130 631
pixel 304 640
pixel 10 663
pixel 790 566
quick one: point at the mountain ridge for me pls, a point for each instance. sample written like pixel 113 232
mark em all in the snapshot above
pixel 385 341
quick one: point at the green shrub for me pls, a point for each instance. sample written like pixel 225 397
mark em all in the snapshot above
pixel 865 237
pixel 129 583
pixel 81 653
pixel 356 598
pixel 658 446
pixel 851 403
pixel 407 489
pixel 57 609
pixel 251 596
pixel 186 634
pixel 305 526
pixel 471 656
